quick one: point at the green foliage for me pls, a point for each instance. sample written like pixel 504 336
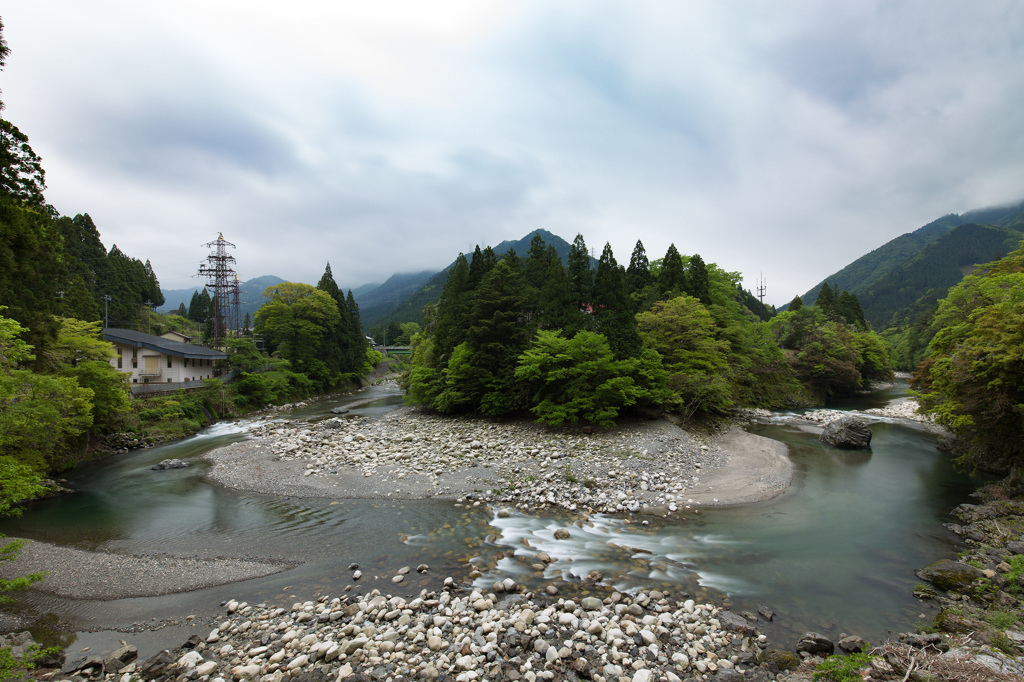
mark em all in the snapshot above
pixel 41 417
pixel 22 178
pixel 295 320
pixel 682 331
pixel 580 379
pixel 278 385
pixel 612 308
pixel 843 668
pixel 1001 620
pixel 243 355
pixel 1013 577
pixel 973 380
pixel 830 357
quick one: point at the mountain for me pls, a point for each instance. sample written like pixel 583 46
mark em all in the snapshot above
pixel 379 299
pixel 910 273
pixel 409 308
pixel 250 295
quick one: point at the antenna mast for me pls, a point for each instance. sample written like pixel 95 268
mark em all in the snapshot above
pixel 221 278
pixel 760 294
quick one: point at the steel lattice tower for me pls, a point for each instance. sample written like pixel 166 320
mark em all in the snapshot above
pixel 222 280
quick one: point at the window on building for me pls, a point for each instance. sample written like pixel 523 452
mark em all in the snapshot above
pixel 120 360
pixel 168 363
pixel 135 358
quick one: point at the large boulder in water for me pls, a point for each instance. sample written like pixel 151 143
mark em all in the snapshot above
pixel 846 432
pixel 950 575
pixel 170 464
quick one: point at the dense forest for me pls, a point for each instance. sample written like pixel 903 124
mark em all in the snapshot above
pixel 577 344
pixel 972 379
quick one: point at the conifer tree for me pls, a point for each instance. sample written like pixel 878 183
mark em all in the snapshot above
pixel 698 284
pixel 481 264
pixel 335 341
pixel 452 308
pixel 672 278
pixel 638 277
pixel 612 308
pixel 826 298
pixel 357 340
pixel 496 338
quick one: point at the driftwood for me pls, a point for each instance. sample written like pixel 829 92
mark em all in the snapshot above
pixel 928 664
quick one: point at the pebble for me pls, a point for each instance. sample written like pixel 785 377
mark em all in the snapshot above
pixel 647 467
pixel 470 637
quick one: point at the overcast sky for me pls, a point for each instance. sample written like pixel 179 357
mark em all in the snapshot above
pixel 788 138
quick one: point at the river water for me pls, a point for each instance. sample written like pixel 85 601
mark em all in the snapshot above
pixel 836 554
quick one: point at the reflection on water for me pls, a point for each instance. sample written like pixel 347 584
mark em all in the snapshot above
pixel 838 552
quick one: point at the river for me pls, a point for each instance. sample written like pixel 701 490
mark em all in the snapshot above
pixel 836 554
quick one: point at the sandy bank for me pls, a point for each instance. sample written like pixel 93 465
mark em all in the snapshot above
pixel 78 574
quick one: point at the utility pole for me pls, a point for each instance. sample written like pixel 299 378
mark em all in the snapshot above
pixel 149 316
pixel 106 316
pixel 760 294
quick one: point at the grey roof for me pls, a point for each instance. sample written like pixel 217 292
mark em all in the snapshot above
pixel 131 337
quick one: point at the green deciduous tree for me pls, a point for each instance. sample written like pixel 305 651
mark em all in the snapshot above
pixel 40 416
pixel 295 319
pixel 579 378
pixel 682 331
pixel 973 379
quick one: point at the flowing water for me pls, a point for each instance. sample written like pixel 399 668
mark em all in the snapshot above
pixel 835 554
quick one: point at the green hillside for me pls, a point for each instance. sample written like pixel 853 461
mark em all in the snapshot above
pixel 909 274
pixel 917 284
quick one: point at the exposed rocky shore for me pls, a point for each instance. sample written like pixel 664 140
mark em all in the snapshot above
pixel 645 466
pixel 453 634
pixel 463 633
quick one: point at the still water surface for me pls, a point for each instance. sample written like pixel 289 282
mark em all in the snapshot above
pixel 836 554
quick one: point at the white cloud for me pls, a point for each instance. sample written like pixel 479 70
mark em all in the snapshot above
pixel 387 137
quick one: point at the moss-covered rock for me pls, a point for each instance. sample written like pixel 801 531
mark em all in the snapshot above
pixel 778 659
pixel 949 575
pixel 954 621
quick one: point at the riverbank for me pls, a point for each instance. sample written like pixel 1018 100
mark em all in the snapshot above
pixel 455 634
pixel 644 466
pixel 78 574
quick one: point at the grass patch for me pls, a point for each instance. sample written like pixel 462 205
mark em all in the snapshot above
pixel 842 668
pixel 1000 619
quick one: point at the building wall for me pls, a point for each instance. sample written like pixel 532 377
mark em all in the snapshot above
pixel 155 370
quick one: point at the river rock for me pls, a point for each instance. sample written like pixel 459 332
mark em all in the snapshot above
pixel 816 645
pixel 847 432
pixel 157 665
pixel 852 644
pixel 170 464
pixel 949 575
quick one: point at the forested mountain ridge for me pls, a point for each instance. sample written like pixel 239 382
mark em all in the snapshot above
pixel 899 274
pixel 383 298
pixel 250 296
pixel 917 284
pixel 410 308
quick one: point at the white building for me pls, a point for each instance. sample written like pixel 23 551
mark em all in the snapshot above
pixel 160 359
